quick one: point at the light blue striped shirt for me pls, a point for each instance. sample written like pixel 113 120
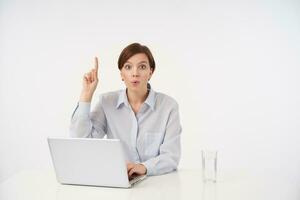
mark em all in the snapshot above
pixel 150 137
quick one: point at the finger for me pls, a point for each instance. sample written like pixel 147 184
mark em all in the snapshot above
pixel 96 65
pixel 92 76
pixel 85 79
pixel 86 76
pixel 129 167
pixel 95 74
pixel 89 77
pixel 131 172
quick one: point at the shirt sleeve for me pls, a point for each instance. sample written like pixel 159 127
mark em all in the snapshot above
pixel 86 124
pixel 170 149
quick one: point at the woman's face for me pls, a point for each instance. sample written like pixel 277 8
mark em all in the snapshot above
pixel 136 72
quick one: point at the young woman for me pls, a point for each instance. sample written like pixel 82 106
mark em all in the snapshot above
pixel 146 122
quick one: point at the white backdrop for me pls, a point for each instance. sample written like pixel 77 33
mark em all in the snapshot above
pixel 233 67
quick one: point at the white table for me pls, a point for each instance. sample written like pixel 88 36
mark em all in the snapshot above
pixel 183 184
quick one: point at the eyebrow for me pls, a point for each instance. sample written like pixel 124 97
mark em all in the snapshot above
pixel 138 63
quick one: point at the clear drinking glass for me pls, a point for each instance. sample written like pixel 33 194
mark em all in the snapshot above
pixel 209 165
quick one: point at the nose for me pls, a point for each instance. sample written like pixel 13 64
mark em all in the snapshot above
pixel 135 72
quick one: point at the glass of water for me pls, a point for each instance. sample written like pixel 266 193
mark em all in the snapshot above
pixel 209 165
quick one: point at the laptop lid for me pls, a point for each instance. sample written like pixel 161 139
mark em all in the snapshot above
pixel 89 161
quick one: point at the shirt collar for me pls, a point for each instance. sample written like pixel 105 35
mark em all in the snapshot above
pixel 150 100
pixel 122 99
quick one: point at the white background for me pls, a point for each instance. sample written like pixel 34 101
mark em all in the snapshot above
pixel 233 67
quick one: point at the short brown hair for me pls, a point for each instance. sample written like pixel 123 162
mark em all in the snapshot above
pixel 133 49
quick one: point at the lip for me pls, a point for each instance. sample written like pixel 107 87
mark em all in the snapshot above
pixel 135 82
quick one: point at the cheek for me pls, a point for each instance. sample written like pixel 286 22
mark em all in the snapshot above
pixel 124 75
pixel 146 76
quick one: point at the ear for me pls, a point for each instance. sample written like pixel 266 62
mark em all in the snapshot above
pixel 150 74
pixel 151 71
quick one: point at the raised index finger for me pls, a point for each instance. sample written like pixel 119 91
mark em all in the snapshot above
pixel 96 63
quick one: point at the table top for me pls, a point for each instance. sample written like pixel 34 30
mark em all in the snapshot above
pixel 182 184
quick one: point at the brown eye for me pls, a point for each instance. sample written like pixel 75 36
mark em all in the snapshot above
pixel 127 67
pixel 143 66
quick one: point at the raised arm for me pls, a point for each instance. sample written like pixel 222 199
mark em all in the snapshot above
pixel 85 123
pixel 89 83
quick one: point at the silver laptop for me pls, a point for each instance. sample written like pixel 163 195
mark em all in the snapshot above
pixel 89 161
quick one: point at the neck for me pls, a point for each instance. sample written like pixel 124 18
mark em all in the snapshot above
pixel 137 97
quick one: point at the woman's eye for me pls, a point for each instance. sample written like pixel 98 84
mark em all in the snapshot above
pixel 127 66
pixel 143 66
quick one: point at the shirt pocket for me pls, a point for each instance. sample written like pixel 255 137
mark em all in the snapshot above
pixel 152 142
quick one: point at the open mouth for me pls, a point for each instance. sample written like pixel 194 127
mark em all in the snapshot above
pixel 135 82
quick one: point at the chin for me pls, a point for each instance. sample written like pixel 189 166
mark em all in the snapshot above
pixel 133 88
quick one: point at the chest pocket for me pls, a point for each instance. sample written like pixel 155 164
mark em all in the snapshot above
pixel 152 142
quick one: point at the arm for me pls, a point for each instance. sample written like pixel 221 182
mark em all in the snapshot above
pixel 84 123
pixel 170 149
pixel 88 124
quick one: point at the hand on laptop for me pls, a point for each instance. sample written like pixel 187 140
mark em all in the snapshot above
pixel 134 169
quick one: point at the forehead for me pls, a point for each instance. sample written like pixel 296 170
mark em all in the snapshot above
pixel 138 58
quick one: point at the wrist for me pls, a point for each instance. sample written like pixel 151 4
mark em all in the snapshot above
pixel 144 167
pixel 85 97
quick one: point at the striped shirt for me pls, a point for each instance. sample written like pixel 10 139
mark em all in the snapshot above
pixel 150 137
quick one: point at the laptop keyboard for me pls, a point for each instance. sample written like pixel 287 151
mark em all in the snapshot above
pixel 137 179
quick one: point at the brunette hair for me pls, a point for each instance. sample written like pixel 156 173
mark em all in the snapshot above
pixel 133 49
